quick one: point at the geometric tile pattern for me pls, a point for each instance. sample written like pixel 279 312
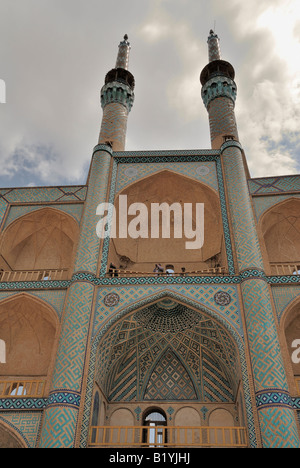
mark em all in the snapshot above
pixel 15 404
pixel 278 428
pixel 203 294
pixel 221 116
pixel 244 230
pixel 261 204
pixel 267 362
pixel 26 424
pixel 61 424
pixel 74 209
pixel 40 195
pixel 271 398
pixel 88 246
pixel 214 52
pixel 62 398
pixel 204 172
pixel 283 296
pixel 72 344
pixel 114 123
pixel 274 185
pixel 170 380
pixel 132 350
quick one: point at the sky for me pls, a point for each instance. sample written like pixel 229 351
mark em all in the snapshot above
pixel 54 55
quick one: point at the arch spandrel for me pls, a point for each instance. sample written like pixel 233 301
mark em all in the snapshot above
pixel 137 342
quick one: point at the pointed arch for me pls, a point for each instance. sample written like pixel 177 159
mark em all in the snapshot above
pixel 41 239
pixel 29 327
pixel 174 190
pixel 280 230
pixel 122 348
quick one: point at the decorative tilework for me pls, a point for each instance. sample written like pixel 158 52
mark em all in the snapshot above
pixel 246 241
pixel 194 170
pixel 73 209
pixel 114 124
pixel 278 428
pixel 114 328
pixel 283 296
pixel 261 204
pixel 170 380
pixel 26 424
pixel 273 185
pixel 72 344
pixel 64 398
pixel 203 295
pixel 272 398
pixel 59 427
pixel 16 404
pixel 214 52
pixel 88 247
pixel 267 362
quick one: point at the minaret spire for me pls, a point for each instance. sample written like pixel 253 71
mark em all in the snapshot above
pixel 123 54
pixel 219 94
pixel 214 52
pixel 117 98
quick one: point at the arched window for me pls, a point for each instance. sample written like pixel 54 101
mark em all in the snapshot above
pixel 155 435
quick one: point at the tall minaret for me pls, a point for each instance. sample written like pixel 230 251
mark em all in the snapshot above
pixel 219 94
pixel 117 98
pixel 272 397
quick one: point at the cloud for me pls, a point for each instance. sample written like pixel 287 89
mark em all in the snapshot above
pixel 55 54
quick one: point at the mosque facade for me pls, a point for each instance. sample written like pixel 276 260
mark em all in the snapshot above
pixel 157 305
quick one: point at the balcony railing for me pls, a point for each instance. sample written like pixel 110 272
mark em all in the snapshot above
pixel 288 268
pixel 128 273
pixel 162 436
pixel 34 275
pixel 22 388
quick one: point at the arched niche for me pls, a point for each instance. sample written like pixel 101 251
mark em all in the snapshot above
pixel 40 240
pixel 280 228
pixel 141 254
pixel 28 327
pixel 187 417
pixel 219 420
pixel 122 417
pixel 167 351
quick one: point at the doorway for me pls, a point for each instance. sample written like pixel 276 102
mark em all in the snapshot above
pixel 155 432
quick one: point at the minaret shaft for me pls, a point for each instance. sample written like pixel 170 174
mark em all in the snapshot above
pixel 117 98
pixel 219 93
